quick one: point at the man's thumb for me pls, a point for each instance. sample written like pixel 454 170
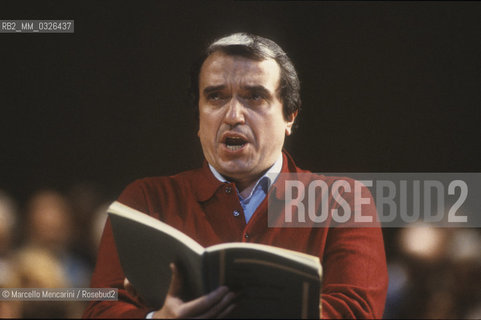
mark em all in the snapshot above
pixel 175 288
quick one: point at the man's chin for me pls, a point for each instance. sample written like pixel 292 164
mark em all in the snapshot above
pixel 234 169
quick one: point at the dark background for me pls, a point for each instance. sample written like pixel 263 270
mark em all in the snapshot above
pixel 385 86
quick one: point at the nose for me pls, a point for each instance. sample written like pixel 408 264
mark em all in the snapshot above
pixel 235 113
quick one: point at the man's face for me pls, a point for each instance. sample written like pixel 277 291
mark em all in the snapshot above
pixel 242 126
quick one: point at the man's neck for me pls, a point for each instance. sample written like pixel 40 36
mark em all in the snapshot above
pixel 245 186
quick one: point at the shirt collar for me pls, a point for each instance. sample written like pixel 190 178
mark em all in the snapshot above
pixel 204 184
pixel 271 174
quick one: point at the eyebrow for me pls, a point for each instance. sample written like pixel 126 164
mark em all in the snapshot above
pixel 211 89
pixel 257 89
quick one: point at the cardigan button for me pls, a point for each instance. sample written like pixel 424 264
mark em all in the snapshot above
pixel 228 189
pixel 236 213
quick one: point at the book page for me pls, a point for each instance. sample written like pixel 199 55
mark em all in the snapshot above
pixel 274 284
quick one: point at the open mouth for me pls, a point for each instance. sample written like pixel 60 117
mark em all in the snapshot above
pixel 234 143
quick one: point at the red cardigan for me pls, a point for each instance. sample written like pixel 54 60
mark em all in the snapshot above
pixel 195 202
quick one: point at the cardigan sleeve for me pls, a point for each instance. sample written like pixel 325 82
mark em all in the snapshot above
pixel 355 272
pixel 108 272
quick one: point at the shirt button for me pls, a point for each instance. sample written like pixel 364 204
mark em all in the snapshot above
pixel 228 189
pixel 246 236
pixel 236 213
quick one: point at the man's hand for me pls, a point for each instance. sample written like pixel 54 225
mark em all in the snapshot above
pixel 216 304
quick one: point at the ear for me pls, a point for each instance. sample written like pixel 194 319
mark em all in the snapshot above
pixel 290 123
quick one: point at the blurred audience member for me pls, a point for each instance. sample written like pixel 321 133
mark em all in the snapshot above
pixel 39 268
pixel 436 274
pixel 7 224
pixel 85 199
pixel 49 221
pixel 49 226
pixel 9 278
pixel 8 275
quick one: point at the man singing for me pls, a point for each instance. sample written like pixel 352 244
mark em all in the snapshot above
pixel 247 98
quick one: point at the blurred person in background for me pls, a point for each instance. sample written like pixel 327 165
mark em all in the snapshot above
pixel 39 268
pixel 49 226
pixel 8 275
pixel 436 274
pixel 7 225
pixel 86 199
pixel 9 278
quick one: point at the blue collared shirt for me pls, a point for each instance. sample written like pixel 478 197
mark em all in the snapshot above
pixel 258 193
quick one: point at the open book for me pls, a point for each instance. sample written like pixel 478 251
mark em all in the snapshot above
pixel 271 282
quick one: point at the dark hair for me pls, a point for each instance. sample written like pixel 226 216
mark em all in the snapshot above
pixel 257 48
